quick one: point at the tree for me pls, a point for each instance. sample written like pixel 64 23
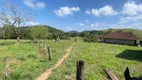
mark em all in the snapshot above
pixel 9 32
pixel 73 34
pixel 12 15
pixel 39 32
pixel 84 33
pixel 131 33
pixel 90 38
pixel 24 33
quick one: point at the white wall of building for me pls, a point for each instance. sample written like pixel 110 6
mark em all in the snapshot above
pixel 118 41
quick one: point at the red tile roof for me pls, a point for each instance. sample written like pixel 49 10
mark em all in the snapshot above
pixel 121 35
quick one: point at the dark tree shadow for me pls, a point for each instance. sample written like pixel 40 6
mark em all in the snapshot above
pixel 131 55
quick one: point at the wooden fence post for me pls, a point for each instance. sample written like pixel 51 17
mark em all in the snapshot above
pixel 80 69
pixel 110 75
pixel 49 53
pixel 6 67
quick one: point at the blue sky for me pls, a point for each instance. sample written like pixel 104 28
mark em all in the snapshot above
pixel 82 15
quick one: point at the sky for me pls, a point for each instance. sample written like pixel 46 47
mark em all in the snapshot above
pixel 82 15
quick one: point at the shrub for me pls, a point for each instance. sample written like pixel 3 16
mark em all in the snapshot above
pixel 21 58
pixel 31 56
pixel 90 38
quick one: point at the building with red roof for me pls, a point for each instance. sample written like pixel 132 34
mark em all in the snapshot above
pixel 120 37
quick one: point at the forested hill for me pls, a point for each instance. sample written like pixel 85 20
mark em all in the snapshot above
pixel 10 32
pixel 50 29
pixel 136 32
pixel 53 32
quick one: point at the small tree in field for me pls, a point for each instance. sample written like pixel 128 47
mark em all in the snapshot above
pixel 9 32
pixel 39 32
pixel 12 15
pixel 90 38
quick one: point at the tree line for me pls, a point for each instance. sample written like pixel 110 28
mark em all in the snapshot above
pixel 31 32
pixel 44 32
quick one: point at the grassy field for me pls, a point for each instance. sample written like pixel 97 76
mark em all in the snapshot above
pixel 24 61
pixel 98 56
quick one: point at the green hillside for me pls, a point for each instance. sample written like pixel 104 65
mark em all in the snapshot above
pixel 136 32
pixel 53 30
pixel 25 32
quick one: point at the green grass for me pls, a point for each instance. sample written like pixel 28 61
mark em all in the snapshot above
pixel 24 60
pixel 25 64
pixel 98 56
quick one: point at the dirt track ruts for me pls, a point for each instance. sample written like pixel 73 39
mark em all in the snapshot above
pixel 48 72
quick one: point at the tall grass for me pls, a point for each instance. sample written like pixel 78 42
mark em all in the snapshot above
pixel 25 64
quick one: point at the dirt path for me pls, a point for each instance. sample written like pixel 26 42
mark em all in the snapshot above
pixel 48 72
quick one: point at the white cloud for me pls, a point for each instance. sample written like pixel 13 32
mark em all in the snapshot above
pixel 68 28
pixel 88 12
pixel 98 26
pixel 135 18
pixel 75 9
pixel 105 11
pixel 34 4
pixel 64 11
pixel 94 25
pixel 1 25
pixel 132 13
pixel 131 8
pixel 40 4
pixel 117 26
pixel 133 26
pixel 31 23
pixel 102 26
pixel 81 24
pixel 136 25
pixel 29 3
pixel 86 21
pixel 10 19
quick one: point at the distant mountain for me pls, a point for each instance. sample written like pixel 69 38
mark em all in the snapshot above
pixel 136 32
pixel 73 33
pixel 25 32
pixel 58 32
pixel 54 30
pixel 51 30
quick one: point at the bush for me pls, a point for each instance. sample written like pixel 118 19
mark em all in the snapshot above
pixel 21 58
pixel 61 36
pixel 31 56
pixel 64 37
pixel 90 38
